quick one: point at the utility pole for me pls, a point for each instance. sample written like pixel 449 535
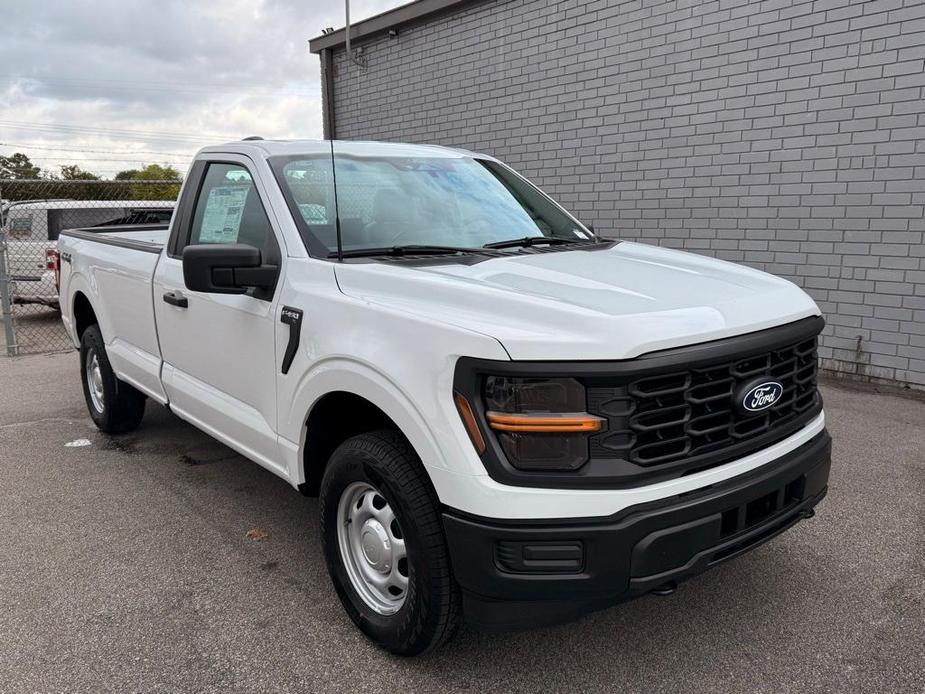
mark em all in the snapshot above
pixel 347 33
pixel 351 58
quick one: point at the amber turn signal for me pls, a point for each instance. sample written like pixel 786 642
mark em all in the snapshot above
pixel 544 423
pixel 468 418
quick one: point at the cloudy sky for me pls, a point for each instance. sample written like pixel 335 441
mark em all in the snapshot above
pixel 112 84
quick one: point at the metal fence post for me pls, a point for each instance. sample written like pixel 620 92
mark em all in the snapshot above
pixel 6 305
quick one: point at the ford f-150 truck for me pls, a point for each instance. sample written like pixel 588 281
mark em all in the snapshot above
pixel 507 418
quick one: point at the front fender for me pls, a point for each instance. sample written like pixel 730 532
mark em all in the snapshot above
pixel 345 375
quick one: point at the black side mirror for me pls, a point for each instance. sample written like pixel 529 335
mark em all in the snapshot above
pixel 226 269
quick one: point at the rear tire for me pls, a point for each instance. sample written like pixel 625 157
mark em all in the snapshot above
pixel 384 544
pixel 114 405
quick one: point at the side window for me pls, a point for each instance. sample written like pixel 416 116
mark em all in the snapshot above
pixel 310 182
pixel 228 210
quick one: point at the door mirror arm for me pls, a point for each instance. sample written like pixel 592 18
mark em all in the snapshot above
pixel 243 278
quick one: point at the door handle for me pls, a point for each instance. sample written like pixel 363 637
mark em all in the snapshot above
pixel 176 299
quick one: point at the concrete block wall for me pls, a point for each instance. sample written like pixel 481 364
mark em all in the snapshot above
pixel 783 134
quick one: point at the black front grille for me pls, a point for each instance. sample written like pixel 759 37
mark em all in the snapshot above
pixel 672 412
pixel 690 415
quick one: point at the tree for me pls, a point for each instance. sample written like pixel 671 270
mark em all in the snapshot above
pixel 156 172
pixel 18 165
pixel 75 190
pixel 127 175
pixel 72 172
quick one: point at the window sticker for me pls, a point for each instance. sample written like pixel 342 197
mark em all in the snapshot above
pixel 221 221
pixel 21 228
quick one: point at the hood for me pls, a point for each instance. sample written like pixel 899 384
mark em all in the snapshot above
pixel 613 303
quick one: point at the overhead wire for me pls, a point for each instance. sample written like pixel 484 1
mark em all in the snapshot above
pixel 30 145
pixel 116 132
pixel 160 86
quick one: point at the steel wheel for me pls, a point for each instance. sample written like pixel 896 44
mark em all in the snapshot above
pixel 94 375
pixel 372 547
pixel 114 406
pixel 384 544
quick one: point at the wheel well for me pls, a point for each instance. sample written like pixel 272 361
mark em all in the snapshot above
pixel 335 418
pixel 84 316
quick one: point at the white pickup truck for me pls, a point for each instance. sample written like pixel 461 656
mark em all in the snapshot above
pixel 506 417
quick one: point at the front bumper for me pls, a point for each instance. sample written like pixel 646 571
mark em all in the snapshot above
pixel 519 574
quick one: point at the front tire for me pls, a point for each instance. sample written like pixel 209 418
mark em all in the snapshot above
pixel 384 544
pixel 115 406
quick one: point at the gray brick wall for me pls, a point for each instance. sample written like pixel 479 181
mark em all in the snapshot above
pixel 786 135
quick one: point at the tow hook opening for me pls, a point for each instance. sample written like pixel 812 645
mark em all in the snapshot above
pixel 665 589
pixel 808 513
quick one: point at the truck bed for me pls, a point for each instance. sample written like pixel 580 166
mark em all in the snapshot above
pixel 118 262
pixel 34 283
pixel 149 238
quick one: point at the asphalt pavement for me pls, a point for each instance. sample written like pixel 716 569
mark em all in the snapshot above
pixel 38 330
pixel 126 566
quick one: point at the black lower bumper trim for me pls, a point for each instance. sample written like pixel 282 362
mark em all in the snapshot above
pixel 523 574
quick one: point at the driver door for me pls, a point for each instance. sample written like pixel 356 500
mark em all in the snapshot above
pixel 219 350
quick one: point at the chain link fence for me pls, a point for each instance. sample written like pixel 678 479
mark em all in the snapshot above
pixel 33 213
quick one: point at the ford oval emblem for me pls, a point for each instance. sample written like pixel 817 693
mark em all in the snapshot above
pixel 760 396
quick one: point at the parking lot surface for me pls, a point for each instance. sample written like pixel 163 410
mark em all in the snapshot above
pixel 38 330
pixel 126 566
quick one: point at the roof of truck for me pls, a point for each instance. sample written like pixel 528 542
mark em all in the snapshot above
pixel 271 148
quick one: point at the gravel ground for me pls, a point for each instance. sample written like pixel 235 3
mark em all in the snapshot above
pixel 125 566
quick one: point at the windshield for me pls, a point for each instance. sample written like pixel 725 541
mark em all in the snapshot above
pixel 384 202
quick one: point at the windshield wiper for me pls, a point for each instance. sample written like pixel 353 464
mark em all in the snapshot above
pixel 408 249
pixel 528 241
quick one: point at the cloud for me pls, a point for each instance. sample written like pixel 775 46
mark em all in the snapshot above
pixel 130 78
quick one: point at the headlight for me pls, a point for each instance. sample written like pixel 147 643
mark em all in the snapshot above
pixel 541 423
